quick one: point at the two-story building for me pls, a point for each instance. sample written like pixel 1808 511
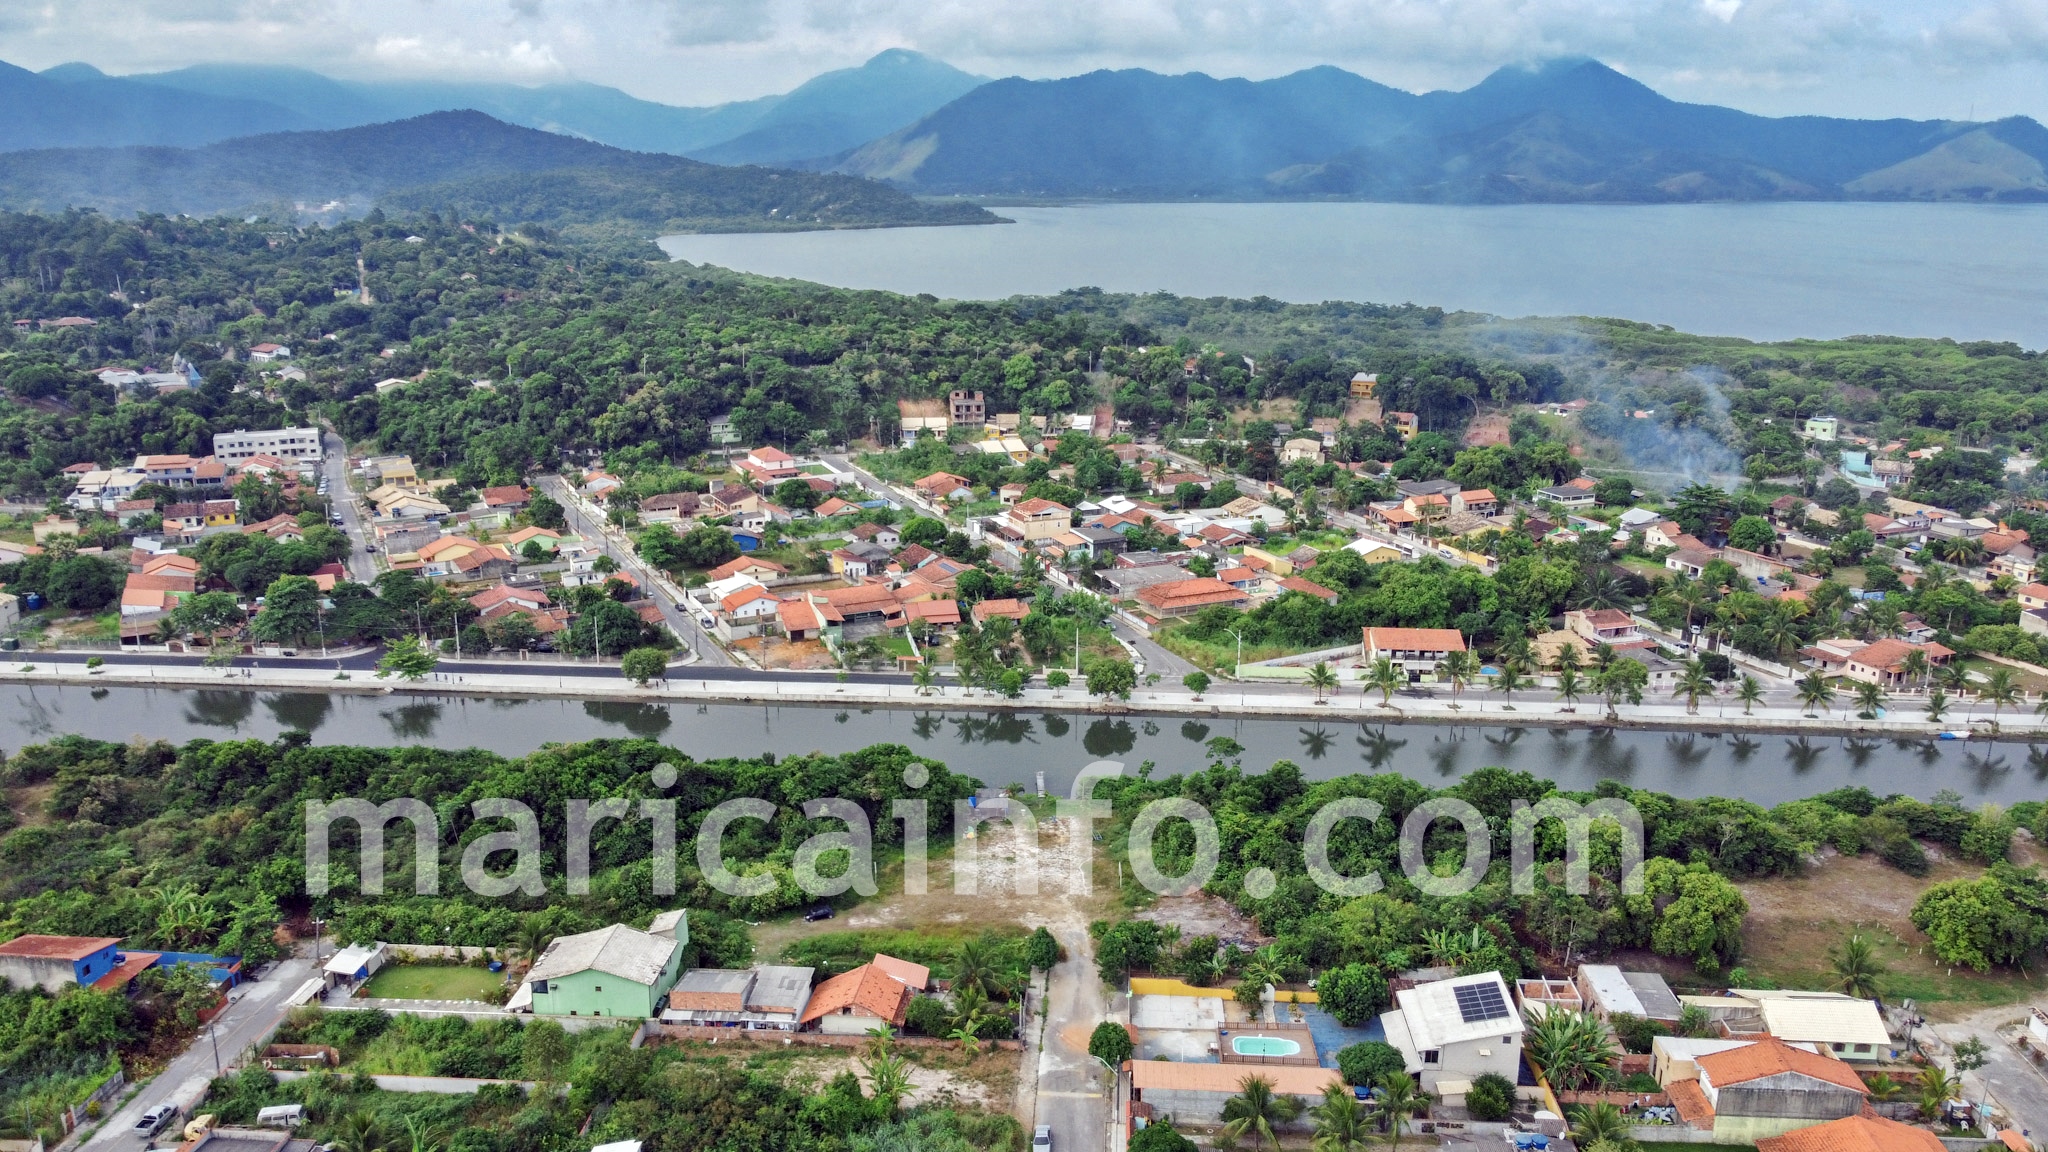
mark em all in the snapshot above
pixel 1415 651
pixel 1038 519
pixel 1450 1032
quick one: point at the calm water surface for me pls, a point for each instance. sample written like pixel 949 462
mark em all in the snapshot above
pixel 1764 271
pixel 1002 748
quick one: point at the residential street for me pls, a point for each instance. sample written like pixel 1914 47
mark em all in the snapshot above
pixel 257 1009
pixel 2013 1080
pixel 362 567
pixel 1074 1089
pixel 679 616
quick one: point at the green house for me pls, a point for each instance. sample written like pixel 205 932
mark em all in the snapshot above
pixel 615 971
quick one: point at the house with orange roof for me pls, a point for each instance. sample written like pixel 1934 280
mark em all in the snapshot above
pixel 749 566
pixel 1187 597
pixel 171 564
pixel 936 613
pixel 1307 588
pixel 1860 1133
pixel 858 612
pixel 1752 1092
pixel 1478 501
pixel 54 963
pixel 1007 609
pixel 835 506
pixel 459 557
pixel 1415 651
pixel 1241 576
pixel 798 620
pixel 282 526
pixel 1883 661
pixel 1038 519
pixel 858 1002
pixel 945 486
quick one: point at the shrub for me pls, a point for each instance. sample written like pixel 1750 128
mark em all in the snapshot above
pixel 1635 1032
pixel 927 1016
pixel 1491 1097
pixel 1353 994
pixel 1370 1062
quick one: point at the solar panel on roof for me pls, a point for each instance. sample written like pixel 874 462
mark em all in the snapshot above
pixel 1478 1002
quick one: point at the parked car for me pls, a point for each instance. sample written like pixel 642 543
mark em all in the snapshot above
pixel 1041 1138
pixel 153 1121
pixel 821 912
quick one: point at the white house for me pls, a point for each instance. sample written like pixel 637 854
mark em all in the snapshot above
pixel 1452 1031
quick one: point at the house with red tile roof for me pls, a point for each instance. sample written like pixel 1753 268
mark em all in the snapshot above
pixel 1187 597
pixel 1415 651
pixel 1859 1133
pixel 868 997
pixel 54 963
pixel 1009 609
pixel 1307 588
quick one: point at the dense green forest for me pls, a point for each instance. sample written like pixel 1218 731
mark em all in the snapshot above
pixel 466 160
pixel 600 345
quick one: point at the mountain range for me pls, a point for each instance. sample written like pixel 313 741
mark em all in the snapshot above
pixel 75 105
pixel 1568 130
pixel 466 162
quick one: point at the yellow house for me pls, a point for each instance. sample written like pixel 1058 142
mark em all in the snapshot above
pixel 1279 566
pixel 1375 552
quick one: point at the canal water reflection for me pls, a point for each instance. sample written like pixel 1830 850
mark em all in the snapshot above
pixel 1005 747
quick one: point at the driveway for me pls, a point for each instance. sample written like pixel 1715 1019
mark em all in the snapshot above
pixel 1073 1087
pixel 256 1010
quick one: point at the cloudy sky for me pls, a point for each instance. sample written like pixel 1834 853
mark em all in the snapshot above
pixel 1919 58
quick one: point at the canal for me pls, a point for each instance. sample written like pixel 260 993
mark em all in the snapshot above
pixel 1004 748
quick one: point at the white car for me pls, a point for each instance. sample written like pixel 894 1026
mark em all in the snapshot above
pixel 1041 1138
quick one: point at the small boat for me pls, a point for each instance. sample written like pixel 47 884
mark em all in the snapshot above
pixel 1953 734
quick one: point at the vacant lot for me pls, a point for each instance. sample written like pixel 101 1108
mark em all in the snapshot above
pixel 434 982
pixel 1793 922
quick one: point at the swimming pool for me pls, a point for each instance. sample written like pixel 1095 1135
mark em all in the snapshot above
pixel 1264 1046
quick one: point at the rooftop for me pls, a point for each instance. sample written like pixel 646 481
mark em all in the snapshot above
pixel 1854 1134
pixel 619 951
pixel 1771 1056
pixel 38 947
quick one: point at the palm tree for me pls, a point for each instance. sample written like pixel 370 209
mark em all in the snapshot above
pixel 923 677
pixel 1343 1123
pixel 1268 965
pixel 1600 1123
pixel 1258 1111
pixel 1507 680
pixel 1691 595
pixel 1937 703
pixel 360 1132
pixel 1568 682
pixel 1937 1088
pixel 1869 699
pixel 880 1037
pixel 973 969
pixel 1322 679
pixel 2001 688
pixel 1568 657
pixel 1458 668
pixel 1749 692
pixel 1855 969
pixel 1600 588
pixel 1398 1099
pixel 1958 550
pixel 1384 678
pixel 1815 691
pixel 1883 1088
pixel 1693 683
pixel 1914 665
pixel 1953 677
pixel 1572 1049
pixel 423 1136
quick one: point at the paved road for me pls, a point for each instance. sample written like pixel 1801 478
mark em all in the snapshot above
pixel 257 1009
pixel 362 567
pixel 680 617
pixel 2012 1079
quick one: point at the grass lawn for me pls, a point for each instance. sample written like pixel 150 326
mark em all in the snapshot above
pixel 433 982
pixel 1649 569
pixel 1794 920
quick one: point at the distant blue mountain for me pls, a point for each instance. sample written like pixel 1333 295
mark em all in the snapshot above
pixel 76 105
pixel 1568 130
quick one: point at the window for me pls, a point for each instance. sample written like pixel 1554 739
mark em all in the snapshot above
pixel 1431 1055
pixel 597 988
pixel 1864 1048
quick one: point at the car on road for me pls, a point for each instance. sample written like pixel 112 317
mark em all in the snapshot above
pixel 153 1121
pixel 1041 1138
pixel 821 912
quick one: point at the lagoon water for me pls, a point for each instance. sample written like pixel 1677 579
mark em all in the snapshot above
pixel 1763 271
pixel 1006 748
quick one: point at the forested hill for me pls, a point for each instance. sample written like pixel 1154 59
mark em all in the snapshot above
pixel 465 161
pixel 1568 131
pixel 615 350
